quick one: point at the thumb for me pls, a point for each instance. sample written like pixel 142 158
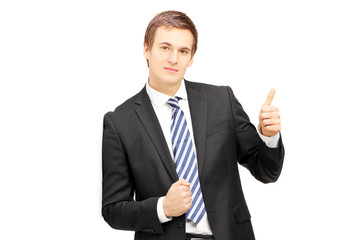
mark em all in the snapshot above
pixel 269 97
pixel 183 182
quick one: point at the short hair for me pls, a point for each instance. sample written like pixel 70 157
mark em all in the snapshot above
pixel 169 20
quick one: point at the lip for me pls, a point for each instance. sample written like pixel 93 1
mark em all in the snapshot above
pixel 171 69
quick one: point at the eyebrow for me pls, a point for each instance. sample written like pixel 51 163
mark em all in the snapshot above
pixel 169 44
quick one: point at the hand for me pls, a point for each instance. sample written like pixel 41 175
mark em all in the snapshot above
pixel 269 117
pixel 178 199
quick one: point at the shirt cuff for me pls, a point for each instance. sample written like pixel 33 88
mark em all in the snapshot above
pixel 271 142
pixel 160 211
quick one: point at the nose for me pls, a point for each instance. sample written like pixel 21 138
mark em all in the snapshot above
pixel 173 57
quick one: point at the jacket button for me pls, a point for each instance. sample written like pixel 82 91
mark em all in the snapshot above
pixel 180 225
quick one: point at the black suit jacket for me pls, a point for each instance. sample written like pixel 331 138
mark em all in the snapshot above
pixel 136 160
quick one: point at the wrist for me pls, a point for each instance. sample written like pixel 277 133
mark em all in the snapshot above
pixel 165 208
pixel 160 211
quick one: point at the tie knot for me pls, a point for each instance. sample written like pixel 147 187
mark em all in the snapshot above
pixel 174 102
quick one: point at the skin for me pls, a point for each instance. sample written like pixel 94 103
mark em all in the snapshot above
pixel 269 117
pixel 168 59
pixel 178 199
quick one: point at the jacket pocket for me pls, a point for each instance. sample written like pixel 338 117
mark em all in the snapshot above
pixel 241 213
pixel 211 130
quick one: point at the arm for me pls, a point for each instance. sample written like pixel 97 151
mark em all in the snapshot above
pixel 263 162
pixel 119 209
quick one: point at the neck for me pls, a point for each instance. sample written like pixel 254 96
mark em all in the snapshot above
pixel 168 89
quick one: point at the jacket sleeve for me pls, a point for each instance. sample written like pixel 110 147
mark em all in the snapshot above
pixel 264 163
pixel 119 209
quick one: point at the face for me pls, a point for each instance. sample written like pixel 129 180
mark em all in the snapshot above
pixel 169 58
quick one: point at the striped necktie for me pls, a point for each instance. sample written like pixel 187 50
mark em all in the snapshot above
pixel 185 159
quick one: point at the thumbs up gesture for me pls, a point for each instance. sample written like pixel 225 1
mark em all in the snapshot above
pixel 269 117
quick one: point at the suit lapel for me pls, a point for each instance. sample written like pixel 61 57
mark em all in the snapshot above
pixel 147 116
pixel 198 111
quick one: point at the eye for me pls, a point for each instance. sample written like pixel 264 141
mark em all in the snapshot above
pixel 164 48
pixel 184 52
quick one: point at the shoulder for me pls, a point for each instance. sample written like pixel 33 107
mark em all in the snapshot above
pixel 129 105
pixel 209 90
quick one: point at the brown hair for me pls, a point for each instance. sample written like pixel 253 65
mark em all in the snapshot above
pixel 170 19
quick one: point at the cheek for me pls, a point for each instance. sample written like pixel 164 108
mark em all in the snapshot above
pixel 184 66
pixel 155 62
pixel 160 60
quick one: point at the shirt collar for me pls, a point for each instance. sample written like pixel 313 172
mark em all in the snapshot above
pixel 159 99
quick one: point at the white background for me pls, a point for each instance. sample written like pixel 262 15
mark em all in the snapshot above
pixel 64 64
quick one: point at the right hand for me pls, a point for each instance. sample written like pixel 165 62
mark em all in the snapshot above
pixel 178 199
pixel 269 117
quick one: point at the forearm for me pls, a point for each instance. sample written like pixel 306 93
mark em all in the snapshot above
pixel 267 164
pixel 263 161
pixel 119 209
pixel 134 216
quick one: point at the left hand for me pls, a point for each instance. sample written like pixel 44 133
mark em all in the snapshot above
pixel 269 117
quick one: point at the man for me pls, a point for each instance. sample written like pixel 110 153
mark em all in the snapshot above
pixel 176 145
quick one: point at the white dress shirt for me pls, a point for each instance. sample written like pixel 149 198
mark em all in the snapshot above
pixel 164 113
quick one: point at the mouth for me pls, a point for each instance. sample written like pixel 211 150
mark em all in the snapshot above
pixel 171 69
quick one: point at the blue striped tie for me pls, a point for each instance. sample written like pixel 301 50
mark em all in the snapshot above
pixel 185 160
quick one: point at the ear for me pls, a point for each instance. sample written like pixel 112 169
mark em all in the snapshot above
pixel 146 51
pixel 191 61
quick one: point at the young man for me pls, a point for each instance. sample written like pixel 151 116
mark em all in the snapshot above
pixel 176 145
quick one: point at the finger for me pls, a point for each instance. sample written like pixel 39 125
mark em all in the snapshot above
pixel 187 200
pixel 271 121
pixel 188 206
pixel 186 194
pixel 269 109
pixel 177 183
pixel 183 188
pixel 182 181
pixel 269 97
pixel 268 115
pixel 273 128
